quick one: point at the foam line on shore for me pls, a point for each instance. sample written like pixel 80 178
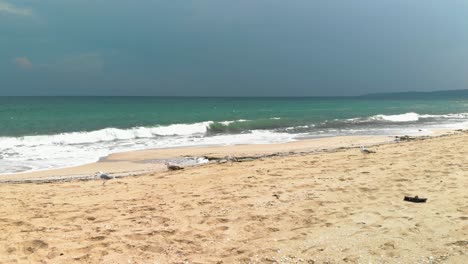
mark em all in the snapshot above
pixel 236 153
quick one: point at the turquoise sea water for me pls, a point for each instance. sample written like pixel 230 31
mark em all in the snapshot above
pixel 49 132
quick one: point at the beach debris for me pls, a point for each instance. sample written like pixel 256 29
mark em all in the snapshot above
pixel 103 176
pixel 415 199
pixel 172 167
pixel 276 196
pixel 405 138
pixel 226 159
pixel 231 158
pixel 364 150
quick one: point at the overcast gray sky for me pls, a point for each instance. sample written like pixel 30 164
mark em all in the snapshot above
pixel 231 48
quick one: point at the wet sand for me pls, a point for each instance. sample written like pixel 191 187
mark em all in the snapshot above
pixel 338 206
pixel 146 161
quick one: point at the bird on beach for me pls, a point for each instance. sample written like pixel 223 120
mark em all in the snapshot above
pixel 104 177
pixel 364 150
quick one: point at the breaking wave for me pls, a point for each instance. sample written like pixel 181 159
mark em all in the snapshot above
pixel 211 128
pixel 107 134
pixel 407 117
pixel 26 153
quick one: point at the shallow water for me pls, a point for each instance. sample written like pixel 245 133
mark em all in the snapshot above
pixel 51 132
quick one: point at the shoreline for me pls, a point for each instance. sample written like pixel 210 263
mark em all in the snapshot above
pixel 139 162
pixel 340 206
pixel 36 153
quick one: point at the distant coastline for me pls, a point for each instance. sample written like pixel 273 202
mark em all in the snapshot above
pixel 450 94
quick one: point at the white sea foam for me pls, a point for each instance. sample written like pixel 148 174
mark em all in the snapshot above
pixel 71 149
pixel 447 116
pixel 407 117
pixel 18 154
pixel 227 123
pixel 107 134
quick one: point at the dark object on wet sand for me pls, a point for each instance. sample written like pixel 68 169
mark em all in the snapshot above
pixel 405 138
pixel 415 199
pixel 173 167
pixel 106 177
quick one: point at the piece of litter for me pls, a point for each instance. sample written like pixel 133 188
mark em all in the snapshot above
pixel 415 199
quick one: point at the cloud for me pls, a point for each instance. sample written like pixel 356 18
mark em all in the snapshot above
pixel 23 63
pixel 7 8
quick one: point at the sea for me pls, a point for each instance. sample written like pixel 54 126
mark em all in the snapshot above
pixel 39 133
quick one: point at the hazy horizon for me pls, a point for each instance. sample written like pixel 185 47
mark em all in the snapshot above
pixel 241 96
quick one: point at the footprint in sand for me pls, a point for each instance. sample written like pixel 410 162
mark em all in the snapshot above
pixel 30 247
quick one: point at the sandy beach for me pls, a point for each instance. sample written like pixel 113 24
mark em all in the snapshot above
pixel 250 132
pixel 325 202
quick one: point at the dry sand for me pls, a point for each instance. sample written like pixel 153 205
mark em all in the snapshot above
pixel 336 207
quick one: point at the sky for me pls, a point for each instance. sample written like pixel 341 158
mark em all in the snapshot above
pixel 232 48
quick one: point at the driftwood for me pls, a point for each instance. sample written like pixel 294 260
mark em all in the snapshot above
pixel 405 138
pixel 244 158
